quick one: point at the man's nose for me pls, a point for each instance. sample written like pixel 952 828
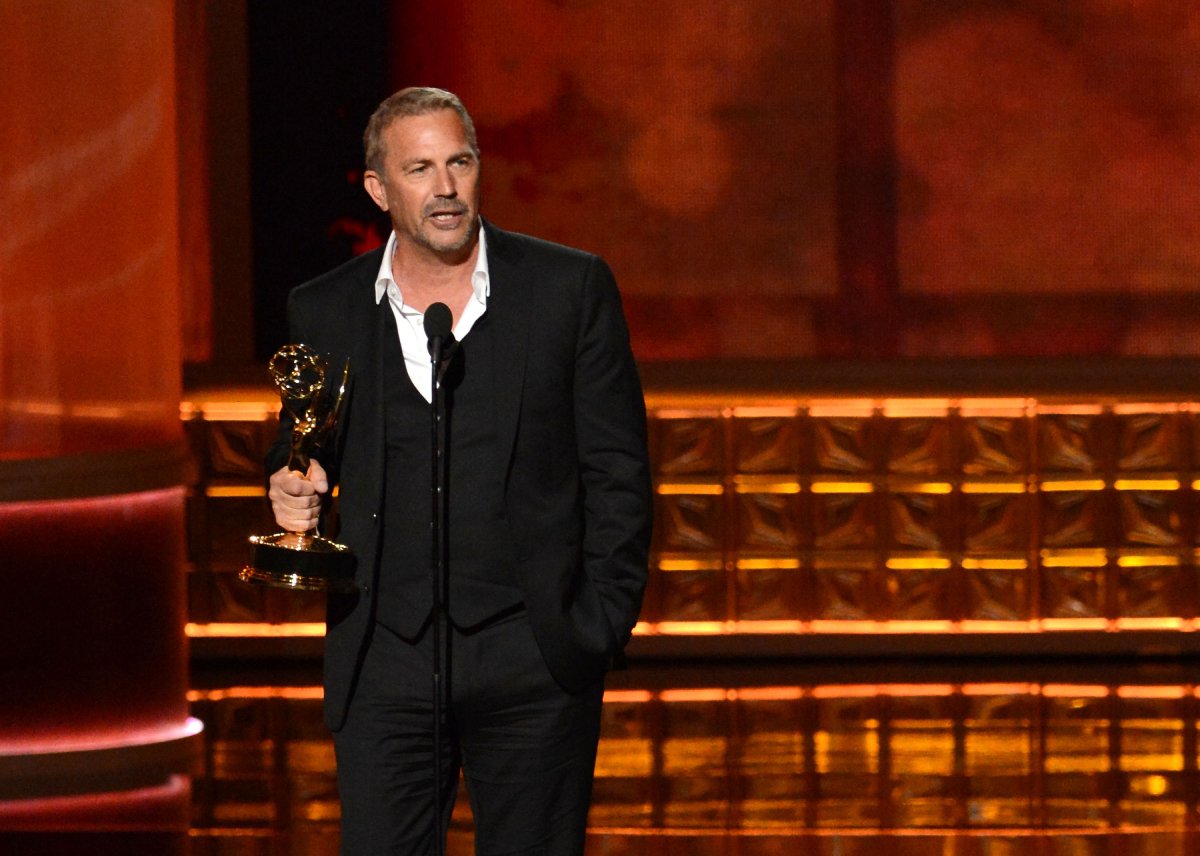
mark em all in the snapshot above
pixel 445 186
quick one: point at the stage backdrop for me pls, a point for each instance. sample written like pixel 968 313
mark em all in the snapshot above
pixel 860 178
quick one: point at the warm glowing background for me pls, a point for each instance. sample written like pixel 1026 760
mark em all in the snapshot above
pixel 821 179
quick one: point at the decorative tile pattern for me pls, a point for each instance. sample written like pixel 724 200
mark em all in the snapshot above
pixel 844 510
pixel 766 444
pixel 994 446
pixel 996 595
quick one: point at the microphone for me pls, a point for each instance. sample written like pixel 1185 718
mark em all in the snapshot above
pixel 438 322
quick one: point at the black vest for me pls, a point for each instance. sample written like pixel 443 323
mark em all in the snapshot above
pixel 481 560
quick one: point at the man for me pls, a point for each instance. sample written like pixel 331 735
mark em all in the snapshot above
pixel 549 503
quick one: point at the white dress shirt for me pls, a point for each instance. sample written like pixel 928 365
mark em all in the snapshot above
pixel 411 324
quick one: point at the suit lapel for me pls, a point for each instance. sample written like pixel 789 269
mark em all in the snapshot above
pixel 509 307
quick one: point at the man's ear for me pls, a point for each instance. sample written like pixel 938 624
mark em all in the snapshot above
pixel 376 189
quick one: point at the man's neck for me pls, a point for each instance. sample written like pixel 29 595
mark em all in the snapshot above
pixel 426 277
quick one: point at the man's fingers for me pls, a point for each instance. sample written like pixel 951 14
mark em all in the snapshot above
pixel 295 500
pixel 317 477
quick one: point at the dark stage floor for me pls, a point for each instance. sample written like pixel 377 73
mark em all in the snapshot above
pixel 839 760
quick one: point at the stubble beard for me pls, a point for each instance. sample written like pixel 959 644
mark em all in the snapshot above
pixel 467 240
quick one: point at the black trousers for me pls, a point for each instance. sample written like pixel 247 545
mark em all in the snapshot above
pixel 526 747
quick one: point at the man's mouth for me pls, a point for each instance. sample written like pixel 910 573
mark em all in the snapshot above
pixel 446 215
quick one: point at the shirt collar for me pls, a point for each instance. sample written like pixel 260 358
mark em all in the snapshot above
pixel 481 283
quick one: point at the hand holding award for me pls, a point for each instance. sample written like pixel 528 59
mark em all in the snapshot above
pixel 313 399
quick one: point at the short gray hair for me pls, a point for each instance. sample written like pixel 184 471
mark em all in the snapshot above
pixel 413 101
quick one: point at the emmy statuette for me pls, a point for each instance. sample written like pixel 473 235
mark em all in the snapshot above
pixel 313 398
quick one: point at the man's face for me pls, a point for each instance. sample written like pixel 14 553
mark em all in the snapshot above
pixel 429 184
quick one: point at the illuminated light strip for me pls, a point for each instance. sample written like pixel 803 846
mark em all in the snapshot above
pixel 994 487
pixel 1152 692
pixel 690 565
pixel 1134 408
pixel 236 413
pixel 1070 409
pixel 698 413
pixel 1068 625
pixel 253 408
pixel 937 488
pixel 902 690
pixel 778 628
pixel 209 415
pixel 248 629
pixel 1156 623
pixel 918 626
pixel 842 487
pixel 84 409
pixel 1147 484
pixel 750 484
pixel 881 628
pixel 695 695
pixel 1074 691
pixel 1098 838
pixel 917 563
pixel 995 564
pixel 848 408
pixel 869 690
pixel 225 693
pixel 235 491
pixel 1148 561
pixel 681 489
pixel 1064 485
pixel 998 689
pixel 251 630
pixel 1086 558
pixel 970 626
pixel 768 564
pixel 769 693
pixel 245 491
pixel 628 696
pixel 847 627
pixel 915 408
pixel 848 691
pixel 997 407
pixel 766 412
pixel 691 628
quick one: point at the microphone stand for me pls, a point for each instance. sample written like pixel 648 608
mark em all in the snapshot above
pixel 439 361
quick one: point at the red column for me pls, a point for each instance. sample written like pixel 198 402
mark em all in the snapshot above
pixel 93 710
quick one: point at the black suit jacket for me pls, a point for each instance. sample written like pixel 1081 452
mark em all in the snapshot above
pixel 571 450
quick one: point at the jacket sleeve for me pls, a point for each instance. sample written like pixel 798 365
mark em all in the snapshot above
pixel 610 418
